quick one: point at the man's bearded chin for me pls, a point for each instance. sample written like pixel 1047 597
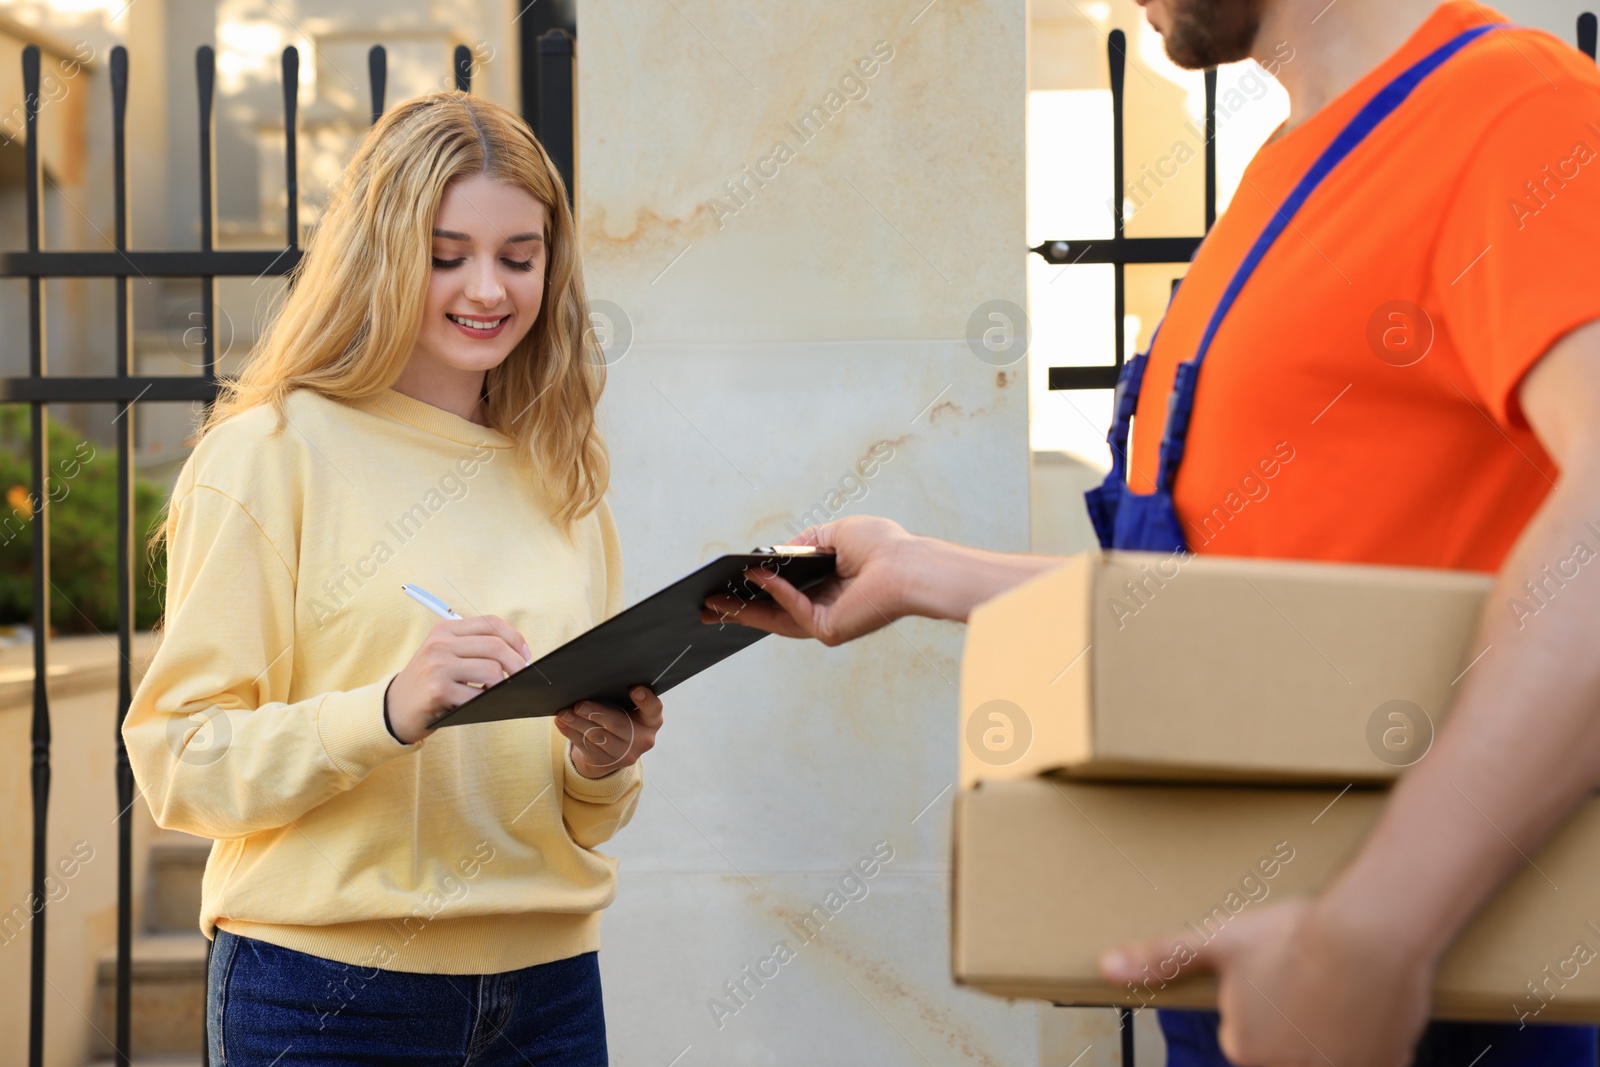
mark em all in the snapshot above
pixel 1208 33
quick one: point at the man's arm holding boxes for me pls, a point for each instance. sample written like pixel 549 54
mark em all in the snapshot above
pixel 1520 749
pixel 1346 975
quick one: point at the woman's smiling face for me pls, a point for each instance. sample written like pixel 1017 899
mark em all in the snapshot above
pixel 487 281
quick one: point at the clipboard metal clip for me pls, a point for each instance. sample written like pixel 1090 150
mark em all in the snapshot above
pixel 792 550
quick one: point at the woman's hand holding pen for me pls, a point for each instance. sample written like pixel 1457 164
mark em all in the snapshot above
pixel 605 739
pixel 457 655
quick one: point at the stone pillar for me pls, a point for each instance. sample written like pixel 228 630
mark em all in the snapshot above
pixel 792 221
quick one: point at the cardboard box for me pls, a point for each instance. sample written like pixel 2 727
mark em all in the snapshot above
pixel 1148 666
pixel 1049 873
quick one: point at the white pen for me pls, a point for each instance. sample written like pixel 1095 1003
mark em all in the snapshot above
pixel 429 601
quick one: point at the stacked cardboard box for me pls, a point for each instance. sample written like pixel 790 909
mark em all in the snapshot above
pixel 1152 745
pixel 1144 667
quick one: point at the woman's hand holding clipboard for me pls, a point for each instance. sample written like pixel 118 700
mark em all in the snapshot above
pixel 461 657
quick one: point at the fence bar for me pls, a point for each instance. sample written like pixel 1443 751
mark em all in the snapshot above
pixel 40 770
pixel 125 446
pixel 1586 33
pixel 1117 56
pixel 377 76
pixel 556 71
pixel 1127 250
pixel 532 22
pixel 291 141
pixel 205 66
pixel 1211 147
pixel 1092 377
pixel 103 390
pixel 463 65
pixel 244 263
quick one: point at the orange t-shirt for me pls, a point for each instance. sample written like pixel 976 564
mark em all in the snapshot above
pixel 1359 402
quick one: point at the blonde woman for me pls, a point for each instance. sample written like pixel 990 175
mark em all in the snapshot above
pixel 422 410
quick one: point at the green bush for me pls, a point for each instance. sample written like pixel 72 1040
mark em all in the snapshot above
pixel 81 497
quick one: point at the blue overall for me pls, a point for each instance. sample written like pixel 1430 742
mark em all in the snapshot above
pixel 1149 522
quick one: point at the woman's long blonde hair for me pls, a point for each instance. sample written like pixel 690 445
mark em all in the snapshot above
pixel 349 322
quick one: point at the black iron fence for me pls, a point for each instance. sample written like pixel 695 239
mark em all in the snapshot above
pixel 1119 250
pixel 547 82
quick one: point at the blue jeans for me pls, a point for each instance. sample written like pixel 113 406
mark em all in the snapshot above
pixel 1192 1042
pixel 273 1007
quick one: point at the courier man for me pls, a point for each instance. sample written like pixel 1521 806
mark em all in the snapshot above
pixel 1405 291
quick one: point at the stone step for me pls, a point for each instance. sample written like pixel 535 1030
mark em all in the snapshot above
pixel 177 865
pixel 168 996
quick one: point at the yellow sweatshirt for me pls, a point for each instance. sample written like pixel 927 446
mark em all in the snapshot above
pixel 260 720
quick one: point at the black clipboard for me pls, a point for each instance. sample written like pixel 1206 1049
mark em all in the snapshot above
pixel 658 642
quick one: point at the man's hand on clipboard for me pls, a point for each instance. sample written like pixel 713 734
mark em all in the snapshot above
pixel 867 592
pixel 606 739
pixel 881 573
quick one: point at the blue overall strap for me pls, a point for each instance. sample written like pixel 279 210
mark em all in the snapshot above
pixel 1104 499
pixel 1391 96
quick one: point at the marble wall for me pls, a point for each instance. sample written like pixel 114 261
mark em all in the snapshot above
pixel 791 216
